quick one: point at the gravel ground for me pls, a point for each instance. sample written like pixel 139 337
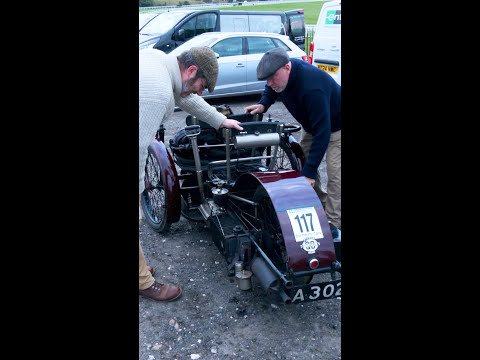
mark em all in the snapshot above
pixel 214 319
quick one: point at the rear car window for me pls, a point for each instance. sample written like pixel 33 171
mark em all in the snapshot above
pixel 233 22
pixel 297 25
pixel 266 23
pixel 260 45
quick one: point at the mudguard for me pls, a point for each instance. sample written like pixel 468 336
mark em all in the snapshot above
pixel 169 176
pixel 288 190
pixel 297 150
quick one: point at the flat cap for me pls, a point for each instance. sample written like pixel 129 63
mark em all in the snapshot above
pixel 270 62
pixel 208 64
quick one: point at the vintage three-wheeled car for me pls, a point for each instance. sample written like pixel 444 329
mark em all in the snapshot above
pixel 264 217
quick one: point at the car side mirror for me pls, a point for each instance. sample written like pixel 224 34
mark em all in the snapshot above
pixel 180 35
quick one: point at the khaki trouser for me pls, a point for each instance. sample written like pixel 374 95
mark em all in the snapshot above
pixel 145 278
pixel 331 200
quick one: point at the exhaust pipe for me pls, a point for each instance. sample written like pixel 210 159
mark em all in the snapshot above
pixel 267 278
pixel 285 298
pixel 266 261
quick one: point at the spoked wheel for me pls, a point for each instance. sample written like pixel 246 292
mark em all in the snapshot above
pixel 273 243
pixel 153 198
pixel 285 159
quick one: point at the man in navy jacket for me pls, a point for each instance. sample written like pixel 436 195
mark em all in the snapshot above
pixel 314 100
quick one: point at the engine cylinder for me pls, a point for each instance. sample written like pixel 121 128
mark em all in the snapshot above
pixel 254 140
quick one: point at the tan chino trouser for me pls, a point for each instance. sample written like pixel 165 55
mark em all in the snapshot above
pixel 145 278
pixel 331 200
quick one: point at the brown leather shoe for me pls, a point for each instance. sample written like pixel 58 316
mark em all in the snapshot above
pixel 162 292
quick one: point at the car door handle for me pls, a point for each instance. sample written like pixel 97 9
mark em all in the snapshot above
pixel 240 65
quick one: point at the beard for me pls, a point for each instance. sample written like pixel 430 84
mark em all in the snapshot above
pixel 187 87
pixel 279 88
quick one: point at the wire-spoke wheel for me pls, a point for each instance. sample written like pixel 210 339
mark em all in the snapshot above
pixel 285 159
pixel 273 243
pixel 153 198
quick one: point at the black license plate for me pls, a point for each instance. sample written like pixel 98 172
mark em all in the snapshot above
pixel 314 292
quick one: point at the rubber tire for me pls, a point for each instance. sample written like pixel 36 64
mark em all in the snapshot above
pixel 290 156
pixel 153 200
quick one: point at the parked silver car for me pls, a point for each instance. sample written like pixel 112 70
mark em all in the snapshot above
pixel 238 57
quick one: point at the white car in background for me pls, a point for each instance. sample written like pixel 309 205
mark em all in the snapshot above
pixel 327 41
pixel 144 18
pixel 238 56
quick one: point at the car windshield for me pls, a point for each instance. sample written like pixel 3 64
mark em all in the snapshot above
pixel 163 22
pixel 144 18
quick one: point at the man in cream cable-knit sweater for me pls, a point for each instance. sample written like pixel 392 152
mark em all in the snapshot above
pixel 166 81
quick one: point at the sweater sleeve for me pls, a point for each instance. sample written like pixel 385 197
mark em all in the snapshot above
pixel 197 106
pixel 268 98
pixel 318 113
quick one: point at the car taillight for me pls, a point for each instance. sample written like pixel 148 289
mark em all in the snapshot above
pixel 313 263
pixel 310 55
pixel 304 58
